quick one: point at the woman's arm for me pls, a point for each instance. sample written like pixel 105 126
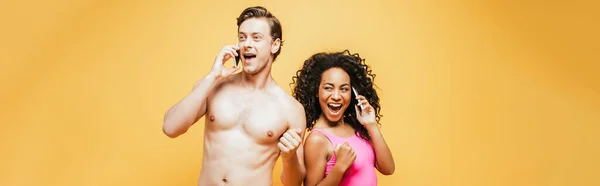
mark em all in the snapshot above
pixel 384 162
pixel 316 149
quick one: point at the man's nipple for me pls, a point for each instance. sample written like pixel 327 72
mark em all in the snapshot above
pixel 212 117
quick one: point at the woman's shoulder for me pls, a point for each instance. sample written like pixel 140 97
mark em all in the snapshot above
pixel 317 144
pixel 317 137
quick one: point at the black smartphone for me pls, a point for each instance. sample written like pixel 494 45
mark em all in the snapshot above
pixel 237 58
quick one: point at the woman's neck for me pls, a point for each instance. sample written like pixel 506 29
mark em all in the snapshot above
pixel 323 121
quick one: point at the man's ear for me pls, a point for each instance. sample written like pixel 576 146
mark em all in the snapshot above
pixel 275 46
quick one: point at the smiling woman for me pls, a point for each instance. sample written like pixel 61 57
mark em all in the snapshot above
pixel 347 144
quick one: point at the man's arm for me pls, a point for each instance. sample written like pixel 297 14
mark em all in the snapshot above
pixel 293 165
pixel 188 111
pixel 185 113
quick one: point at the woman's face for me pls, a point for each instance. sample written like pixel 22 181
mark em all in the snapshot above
pixel 334 93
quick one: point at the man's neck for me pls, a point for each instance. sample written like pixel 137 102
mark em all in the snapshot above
pixel 257 81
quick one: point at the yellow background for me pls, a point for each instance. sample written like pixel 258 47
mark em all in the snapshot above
pixel 473 92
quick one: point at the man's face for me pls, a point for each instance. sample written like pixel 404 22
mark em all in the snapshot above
pixel 256 44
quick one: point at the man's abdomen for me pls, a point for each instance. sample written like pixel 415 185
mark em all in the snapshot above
pixel 231 158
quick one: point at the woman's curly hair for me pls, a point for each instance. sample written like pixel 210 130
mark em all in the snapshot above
pixel 308 78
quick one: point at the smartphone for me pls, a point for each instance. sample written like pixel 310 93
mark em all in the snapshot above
pixel 237 58
pixel 356 97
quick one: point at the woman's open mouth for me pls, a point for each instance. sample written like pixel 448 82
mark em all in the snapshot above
pixel 334 108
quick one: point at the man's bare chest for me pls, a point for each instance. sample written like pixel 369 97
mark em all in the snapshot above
pixel 260 117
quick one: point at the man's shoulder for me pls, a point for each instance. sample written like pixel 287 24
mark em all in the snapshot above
pixel 228 81
pixel 223 87
pixel 288 100
pixel 232 79
pixel 294 109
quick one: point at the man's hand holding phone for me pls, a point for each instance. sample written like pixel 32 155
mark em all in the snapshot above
pixel 226 53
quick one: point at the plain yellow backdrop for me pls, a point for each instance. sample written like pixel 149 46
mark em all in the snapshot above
pixel 473 92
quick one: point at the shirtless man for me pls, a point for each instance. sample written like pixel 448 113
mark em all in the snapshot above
pixel 250 121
